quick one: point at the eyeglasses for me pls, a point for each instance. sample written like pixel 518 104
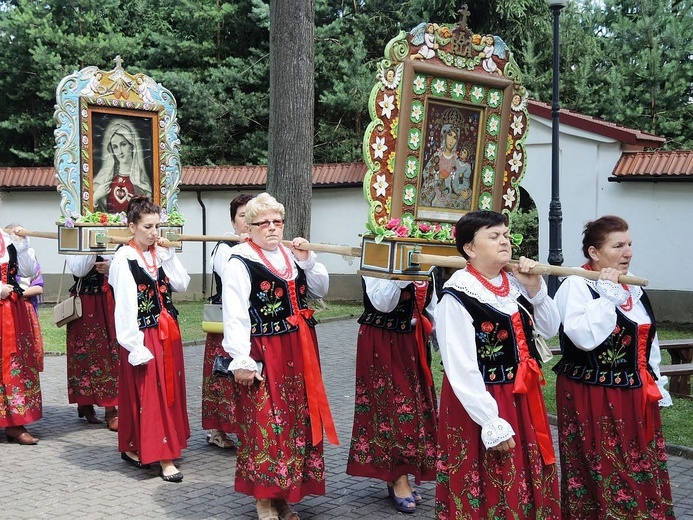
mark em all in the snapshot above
pixel 264 224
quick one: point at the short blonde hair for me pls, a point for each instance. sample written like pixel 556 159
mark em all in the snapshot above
pixel 263 203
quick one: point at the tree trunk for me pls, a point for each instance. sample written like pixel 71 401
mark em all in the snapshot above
pixel 292 104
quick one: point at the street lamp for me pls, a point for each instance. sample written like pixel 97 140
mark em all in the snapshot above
pixel 555 212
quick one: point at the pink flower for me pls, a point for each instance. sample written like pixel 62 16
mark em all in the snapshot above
pixel 265 286
pixel 395 222
pixel 402 231
pixel 503 335
pixel 487 326
pixel 424 228
pixel 279 292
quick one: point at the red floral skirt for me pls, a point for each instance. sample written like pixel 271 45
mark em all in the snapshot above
pixel 608 468
pixel 394 430
pixel 146 424
pixel 474 482
pixel 217 408
pixel 36 332
pixel 276 458
pixel 92 354
pixel 20 392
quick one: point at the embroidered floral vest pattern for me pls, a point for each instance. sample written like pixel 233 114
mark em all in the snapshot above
pixel 614 363
pixel 270 302
pixel 148 291
pixel 93 283
pixel 399 319
pixel 496 350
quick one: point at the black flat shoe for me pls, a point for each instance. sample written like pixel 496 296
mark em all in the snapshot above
pixel 176 477
pixel 138 464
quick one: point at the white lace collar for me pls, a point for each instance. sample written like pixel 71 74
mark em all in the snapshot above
pixel 635 290
pixel 467 283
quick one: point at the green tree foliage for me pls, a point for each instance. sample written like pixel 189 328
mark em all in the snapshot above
pixel 626 61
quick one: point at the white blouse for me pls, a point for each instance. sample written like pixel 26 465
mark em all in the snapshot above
pixel 457 341
pixel 26 256
pixel 129 335
pixel 221 255
pixel 236 287
pixel 588 321
pixel 81 265
pixel 384 294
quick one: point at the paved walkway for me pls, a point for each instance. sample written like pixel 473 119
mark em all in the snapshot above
pixel 75 471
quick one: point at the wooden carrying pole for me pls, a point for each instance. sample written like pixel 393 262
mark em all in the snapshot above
pixel 459 262
pixel 36 234
pixel 456 262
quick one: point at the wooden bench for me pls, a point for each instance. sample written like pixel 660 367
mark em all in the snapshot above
pixel 681 369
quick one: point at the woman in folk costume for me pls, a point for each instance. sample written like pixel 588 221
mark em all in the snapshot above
pixel 32 295
pixel 153 418
pixel 394 432
pixel 92 347
pixel 20 388
pixel 279 400
pixel 496 457
pixel 609 390
pixel 217 415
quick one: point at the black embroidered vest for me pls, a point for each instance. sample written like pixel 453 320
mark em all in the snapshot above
pixel 614 363
pixel 399 319
pixel 148 307
pixel 92 283
pixel 496 345
pixel 10 269
pixel 270 302
pixel 216 297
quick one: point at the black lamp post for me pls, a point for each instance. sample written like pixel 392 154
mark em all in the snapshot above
pixel 555 212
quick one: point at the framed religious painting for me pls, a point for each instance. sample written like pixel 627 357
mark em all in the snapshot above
pixel 123 157
pixel 447 131
pixel 116 138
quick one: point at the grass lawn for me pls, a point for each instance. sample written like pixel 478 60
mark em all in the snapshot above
pixel 678 419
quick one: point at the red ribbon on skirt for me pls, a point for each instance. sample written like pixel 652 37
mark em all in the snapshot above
pixel 529 381
pixel 7 333
pixel 168 333
pixel 318 406
pixel 650 390
pixel 422 329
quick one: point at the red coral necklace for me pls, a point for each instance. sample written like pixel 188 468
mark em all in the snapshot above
pixel 286 273
pixel 152 268
pixel 501 290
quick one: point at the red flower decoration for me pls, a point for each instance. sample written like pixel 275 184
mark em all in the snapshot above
pixel 487 326
pixel 503 335
pixel 302 289
pixel 617 329
pixel 163 289
pixel 627 340
pixel 141 287
pixel 279 292
pixel 103 218
pixel 265 286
